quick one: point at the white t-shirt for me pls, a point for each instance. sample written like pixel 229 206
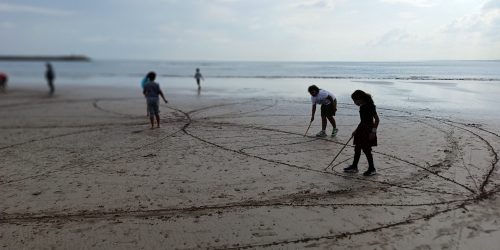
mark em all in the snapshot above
pixel 321 97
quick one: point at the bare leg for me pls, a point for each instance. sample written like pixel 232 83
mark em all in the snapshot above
pixel 332 121
pixel 51 86
pixel 157 120
pixel 152 120
pixel 323 122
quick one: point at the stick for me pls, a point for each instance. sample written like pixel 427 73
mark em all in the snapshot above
pixel 335 158
pixel 308 128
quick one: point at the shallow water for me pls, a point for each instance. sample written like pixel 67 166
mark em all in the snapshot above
pixel 463 88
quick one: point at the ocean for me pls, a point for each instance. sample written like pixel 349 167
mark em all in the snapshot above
pixel 469 86
pixel 419 70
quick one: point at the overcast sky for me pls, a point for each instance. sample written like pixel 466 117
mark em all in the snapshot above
pixel 256 30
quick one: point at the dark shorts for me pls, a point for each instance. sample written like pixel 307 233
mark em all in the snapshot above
pixel 153 106
pixel 330 109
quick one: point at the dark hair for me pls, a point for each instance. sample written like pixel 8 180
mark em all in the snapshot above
pixel 313 87
pixel 151 76
pixel 361 95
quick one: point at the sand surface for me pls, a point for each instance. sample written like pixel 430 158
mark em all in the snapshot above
pixel 82 170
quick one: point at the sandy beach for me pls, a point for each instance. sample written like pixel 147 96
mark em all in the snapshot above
pixel 82 170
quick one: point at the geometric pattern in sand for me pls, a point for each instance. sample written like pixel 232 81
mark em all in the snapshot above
pixel 88 173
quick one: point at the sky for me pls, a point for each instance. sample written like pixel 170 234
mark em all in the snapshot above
pixel 253 30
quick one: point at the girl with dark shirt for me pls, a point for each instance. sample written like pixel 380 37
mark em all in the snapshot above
pixel 365 135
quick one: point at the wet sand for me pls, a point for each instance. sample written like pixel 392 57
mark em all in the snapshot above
pixel 84 171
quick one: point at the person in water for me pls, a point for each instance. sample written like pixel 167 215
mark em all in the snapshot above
pixel 50 76
pixel 198 76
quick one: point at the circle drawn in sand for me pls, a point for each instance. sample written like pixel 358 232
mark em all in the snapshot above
pixel 242 169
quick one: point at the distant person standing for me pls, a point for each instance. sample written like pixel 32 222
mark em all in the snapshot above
pixel 3 81
pixel 198 76
pixel 151 92
pixel 50 76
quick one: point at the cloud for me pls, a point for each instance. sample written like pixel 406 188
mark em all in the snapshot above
pixel 6 25
pixel 486 22
pixel 493 4
pixel 16 8
pixel 491 19
pixel 316 4
pixel 417 3
pixel 469 23
pixel 395 36
pixel 223 1
pixel 491 16
pixel 98 39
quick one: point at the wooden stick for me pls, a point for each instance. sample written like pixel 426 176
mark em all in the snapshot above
pixel 335 158
pixel 308 128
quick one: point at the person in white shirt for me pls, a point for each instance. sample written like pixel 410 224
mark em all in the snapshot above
pixel 328 108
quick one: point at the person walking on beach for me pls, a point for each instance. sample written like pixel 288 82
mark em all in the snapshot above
pixel 151 91
pixel 3 81
pixel 365 135
pixel 145 81
pixel 328 108
pixel 50 76
pixel 198 76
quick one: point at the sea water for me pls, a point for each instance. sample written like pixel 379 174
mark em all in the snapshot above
pixel 453 86
pixel 419 70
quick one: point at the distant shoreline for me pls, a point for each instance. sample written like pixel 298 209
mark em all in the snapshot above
pixel 76 58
